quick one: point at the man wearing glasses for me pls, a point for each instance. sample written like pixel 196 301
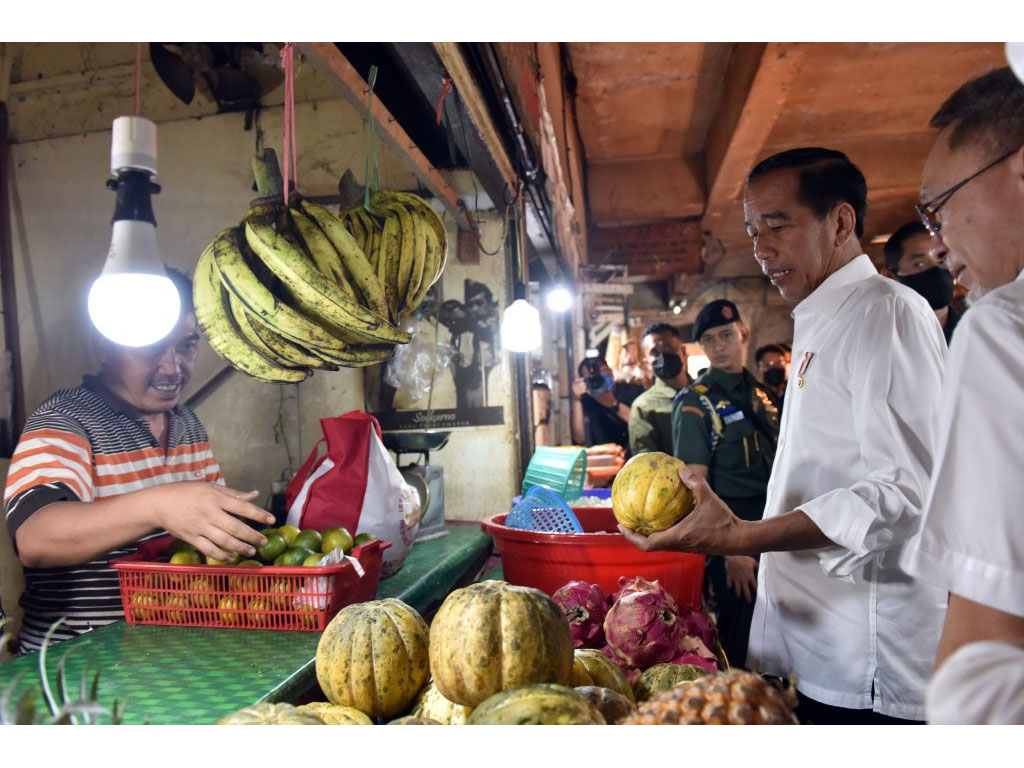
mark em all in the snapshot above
pixel 834 607
pixel 972 534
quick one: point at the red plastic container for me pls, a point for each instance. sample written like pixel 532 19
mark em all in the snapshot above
pixel 600 555
pixel 250 597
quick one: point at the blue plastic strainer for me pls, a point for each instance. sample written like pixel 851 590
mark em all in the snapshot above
pixel 542 509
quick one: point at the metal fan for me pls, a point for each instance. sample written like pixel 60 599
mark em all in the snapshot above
pixel 235 74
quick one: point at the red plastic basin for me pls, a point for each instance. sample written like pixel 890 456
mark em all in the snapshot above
pixel 600 555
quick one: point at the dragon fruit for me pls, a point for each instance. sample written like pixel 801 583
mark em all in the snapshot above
pixel 640 584
pixel 697 624
pixel 584 608
pixel 642 628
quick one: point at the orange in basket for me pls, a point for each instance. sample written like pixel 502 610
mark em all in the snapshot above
pixel 252 597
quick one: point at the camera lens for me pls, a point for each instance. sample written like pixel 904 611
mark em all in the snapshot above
pixel 596 384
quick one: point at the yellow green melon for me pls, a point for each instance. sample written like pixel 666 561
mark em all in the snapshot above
pixel 648 495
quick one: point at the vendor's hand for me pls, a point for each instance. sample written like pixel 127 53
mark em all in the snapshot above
pixel 206 516
pixel 579 389
pixel 741 575
pixel 710 529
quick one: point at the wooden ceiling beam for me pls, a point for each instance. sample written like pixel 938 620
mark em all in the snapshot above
pixel 642 191
pixel 757 83
pixel 341 74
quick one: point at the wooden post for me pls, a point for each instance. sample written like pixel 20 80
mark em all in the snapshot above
pixel 9 297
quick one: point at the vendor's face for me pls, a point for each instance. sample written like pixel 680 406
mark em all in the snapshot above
pixel 151 379
pixel 793 247
pixel 725 346
pixel 979 222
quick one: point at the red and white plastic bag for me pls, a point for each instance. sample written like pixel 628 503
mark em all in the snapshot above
pixel 355 484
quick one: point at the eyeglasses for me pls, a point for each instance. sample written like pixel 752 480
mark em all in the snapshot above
pixel 929 210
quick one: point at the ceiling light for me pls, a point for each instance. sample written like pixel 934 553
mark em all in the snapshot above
pixel 133 302
pixel 520 327
pixel 559 299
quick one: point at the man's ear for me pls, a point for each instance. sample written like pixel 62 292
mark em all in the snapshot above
pixel 744 332
pixel 845 223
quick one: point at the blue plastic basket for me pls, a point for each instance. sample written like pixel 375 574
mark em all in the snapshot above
pixel 542 509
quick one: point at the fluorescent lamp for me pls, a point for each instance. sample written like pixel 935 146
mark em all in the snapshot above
pixel 520 327
pixel 133 302
pixel 559 299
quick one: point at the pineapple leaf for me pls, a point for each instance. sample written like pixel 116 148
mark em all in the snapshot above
pixel 44 679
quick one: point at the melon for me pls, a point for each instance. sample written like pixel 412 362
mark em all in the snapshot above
pixel 336 714
pixel 410 720
pixel 537 705
pixel 612 705
pixel 592 667
pixel 648 495
pixel 267 713
pixel 661 677
pixel 431 704
pixel 492 636
pixel 373 657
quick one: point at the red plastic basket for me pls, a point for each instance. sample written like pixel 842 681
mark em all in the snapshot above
pixel 251 597
pixel 600 555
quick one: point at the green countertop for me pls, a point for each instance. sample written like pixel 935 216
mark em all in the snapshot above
pixel 184 675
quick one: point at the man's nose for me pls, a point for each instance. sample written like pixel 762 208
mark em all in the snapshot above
pixel 938 250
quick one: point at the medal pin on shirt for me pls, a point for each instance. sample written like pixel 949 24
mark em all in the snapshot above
pixel 805 361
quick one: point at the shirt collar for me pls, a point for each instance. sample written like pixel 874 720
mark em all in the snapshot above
pixel 830 295
pixel 729 381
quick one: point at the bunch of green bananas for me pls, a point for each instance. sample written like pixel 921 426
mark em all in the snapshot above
pixel 406 244
pixel 291 288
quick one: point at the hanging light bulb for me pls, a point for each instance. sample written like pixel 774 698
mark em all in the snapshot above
pixel 520 327
pixel 559 299
pixel 133 302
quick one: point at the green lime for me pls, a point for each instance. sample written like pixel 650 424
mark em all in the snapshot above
pixel 294 556
pixel 289 532
pixel 180 546
pixel 186 557
pixel 337 537
pixel 268 531
pixel 274 548
pixel 314 559
pixel 362 538
pixel 235 557
pixel 309 539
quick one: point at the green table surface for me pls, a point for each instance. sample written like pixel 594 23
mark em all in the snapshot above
pixel 186 675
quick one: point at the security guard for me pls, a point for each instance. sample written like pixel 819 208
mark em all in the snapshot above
pixel 725 427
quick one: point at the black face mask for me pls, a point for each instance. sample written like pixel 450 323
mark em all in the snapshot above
pixel 667 365
pixel 935 284
pixel 774 377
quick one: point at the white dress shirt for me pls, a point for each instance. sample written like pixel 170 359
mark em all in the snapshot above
pixel 972 533
pixel 855 455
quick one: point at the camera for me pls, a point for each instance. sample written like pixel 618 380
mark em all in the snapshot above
pixel 596 385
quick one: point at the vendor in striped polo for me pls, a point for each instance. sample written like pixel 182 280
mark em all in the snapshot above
pixel 105 465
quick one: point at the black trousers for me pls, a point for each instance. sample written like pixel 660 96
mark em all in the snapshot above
pixel 733 613
pixel 813 712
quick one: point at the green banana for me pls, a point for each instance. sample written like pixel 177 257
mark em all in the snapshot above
pixel 257 293
pixel 351 255
pixel 362 355
pixel 272 344
pixel 315 294
pixel 320 248
pixel 217 325
pixel 389 259
pixel 431 259
pixel 419 253
pixel 407 254
pixel 356 227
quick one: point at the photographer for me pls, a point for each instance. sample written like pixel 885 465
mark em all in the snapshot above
pixel 600 405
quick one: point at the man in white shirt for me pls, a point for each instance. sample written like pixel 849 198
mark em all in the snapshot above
pixel 834 608
pixel 972 533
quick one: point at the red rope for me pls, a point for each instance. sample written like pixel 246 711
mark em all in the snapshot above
pixel 290 154
pixel 445 90
pixel 137 84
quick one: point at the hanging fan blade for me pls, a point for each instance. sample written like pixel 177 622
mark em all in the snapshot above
pixel 173 71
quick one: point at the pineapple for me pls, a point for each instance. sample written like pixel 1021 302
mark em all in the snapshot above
pixel 64 709
pixel 735 697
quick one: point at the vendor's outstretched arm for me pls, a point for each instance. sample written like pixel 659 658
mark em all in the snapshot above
pixel 204 514
pixel 712 529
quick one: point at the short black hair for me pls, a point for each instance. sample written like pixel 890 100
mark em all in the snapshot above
pixel 893 249
pixel 987 110
pixel 661 328
pixel 762 351
pixel 826 179
pixel 184 285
